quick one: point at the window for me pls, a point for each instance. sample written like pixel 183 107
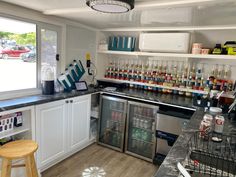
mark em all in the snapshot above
pixel 27 47
pixel 18 57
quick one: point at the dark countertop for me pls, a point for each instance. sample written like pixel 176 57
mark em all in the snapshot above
pixel 178 152
pixel 157 97
pixel 40 99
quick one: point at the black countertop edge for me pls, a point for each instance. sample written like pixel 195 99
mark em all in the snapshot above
pixel 40 99
pixel 159 98
pixel 138 94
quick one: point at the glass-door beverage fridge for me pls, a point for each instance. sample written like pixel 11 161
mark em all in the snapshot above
pixel 112 122
pixel 140 131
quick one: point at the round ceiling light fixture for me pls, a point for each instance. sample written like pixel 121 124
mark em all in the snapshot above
pixel 111 6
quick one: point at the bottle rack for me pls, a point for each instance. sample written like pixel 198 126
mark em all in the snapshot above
pixel 155 86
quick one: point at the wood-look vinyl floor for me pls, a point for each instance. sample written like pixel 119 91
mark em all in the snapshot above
pixel 99 161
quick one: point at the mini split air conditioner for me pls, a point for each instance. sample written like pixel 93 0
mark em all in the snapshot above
pixel 164 42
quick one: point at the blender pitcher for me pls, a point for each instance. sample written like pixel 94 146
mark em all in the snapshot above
pixel 47 80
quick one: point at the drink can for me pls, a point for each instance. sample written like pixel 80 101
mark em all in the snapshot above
pixel 219 124
pixel 208 118
pixel 134 122
pixel 112 115
pixel 205 129
pixel 137 122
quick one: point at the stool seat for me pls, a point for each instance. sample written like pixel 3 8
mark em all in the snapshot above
pixel 18 149
pixel 21 149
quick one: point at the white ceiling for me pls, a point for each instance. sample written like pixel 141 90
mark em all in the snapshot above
pixel 147 13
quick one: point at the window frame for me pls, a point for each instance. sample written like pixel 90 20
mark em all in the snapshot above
pixel 39 25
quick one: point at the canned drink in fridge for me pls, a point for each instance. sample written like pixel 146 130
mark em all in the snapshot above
pixel 145 124
pixel 113 115
pixel 137 122
pixel 108 124
pixel 134 122
pixel 219 124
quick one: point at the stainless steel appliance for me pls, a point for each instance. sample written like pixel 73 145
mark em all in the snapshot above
pixel 170 122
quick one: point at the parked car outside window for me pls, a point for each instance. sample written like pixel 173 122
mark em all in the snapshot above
pixel 29 56
pixel 13 51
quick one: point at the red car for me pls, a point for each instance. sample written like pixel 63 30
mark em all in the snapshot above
pixel 13 51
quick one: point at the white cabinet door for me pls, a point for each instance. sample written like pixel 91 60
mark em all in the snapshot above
pixel 80 122
pixel 51 123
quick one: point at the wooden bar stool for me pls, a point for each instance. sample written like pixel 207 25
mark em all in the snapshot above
pixel 20 149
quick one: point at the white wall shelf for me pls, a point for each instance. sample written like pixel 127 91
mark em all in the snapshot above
pixel 153 85
pixel 177 55
pixel 15 131
pixel 185 28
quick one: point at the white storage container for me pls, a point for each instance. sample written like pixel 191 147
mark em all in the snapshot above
pixel 164 42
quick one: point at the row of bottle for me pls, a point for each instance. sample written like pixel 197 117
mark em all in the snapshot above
pixel 114 126
pixel 172 74
pixel 117 116
pixel 142 148
pixel 145 112
pixel 148 124
pixel 142 135
pixel 113 138
pixel 72 75
pixel 168 67
pixel 116 105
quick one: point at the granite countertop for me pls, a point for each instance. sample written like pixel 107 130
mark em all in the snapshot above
pixel 140 94
pixel 40 99
pixel 171 99
pixel 179 151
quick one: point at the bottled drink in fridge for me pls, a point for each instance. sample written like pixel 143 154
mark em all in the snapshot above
pixel 145 136
pixel 145 124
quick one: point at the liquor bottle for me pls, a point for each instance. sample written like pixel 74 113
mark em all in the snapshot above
pixel 116 70
pixel 227 72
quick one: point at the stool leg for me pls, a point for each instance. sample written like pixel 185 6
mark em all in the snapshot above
pixel 31 169
pixel 28 167
pixel 34 167
pixel 6 168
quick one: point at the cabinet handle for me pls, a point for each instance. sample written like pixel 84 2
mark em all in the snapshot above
pixel 67 101
pixel 71 101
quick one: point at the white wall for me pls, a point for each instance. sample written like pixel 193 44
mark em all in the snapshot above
pixel 80 41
